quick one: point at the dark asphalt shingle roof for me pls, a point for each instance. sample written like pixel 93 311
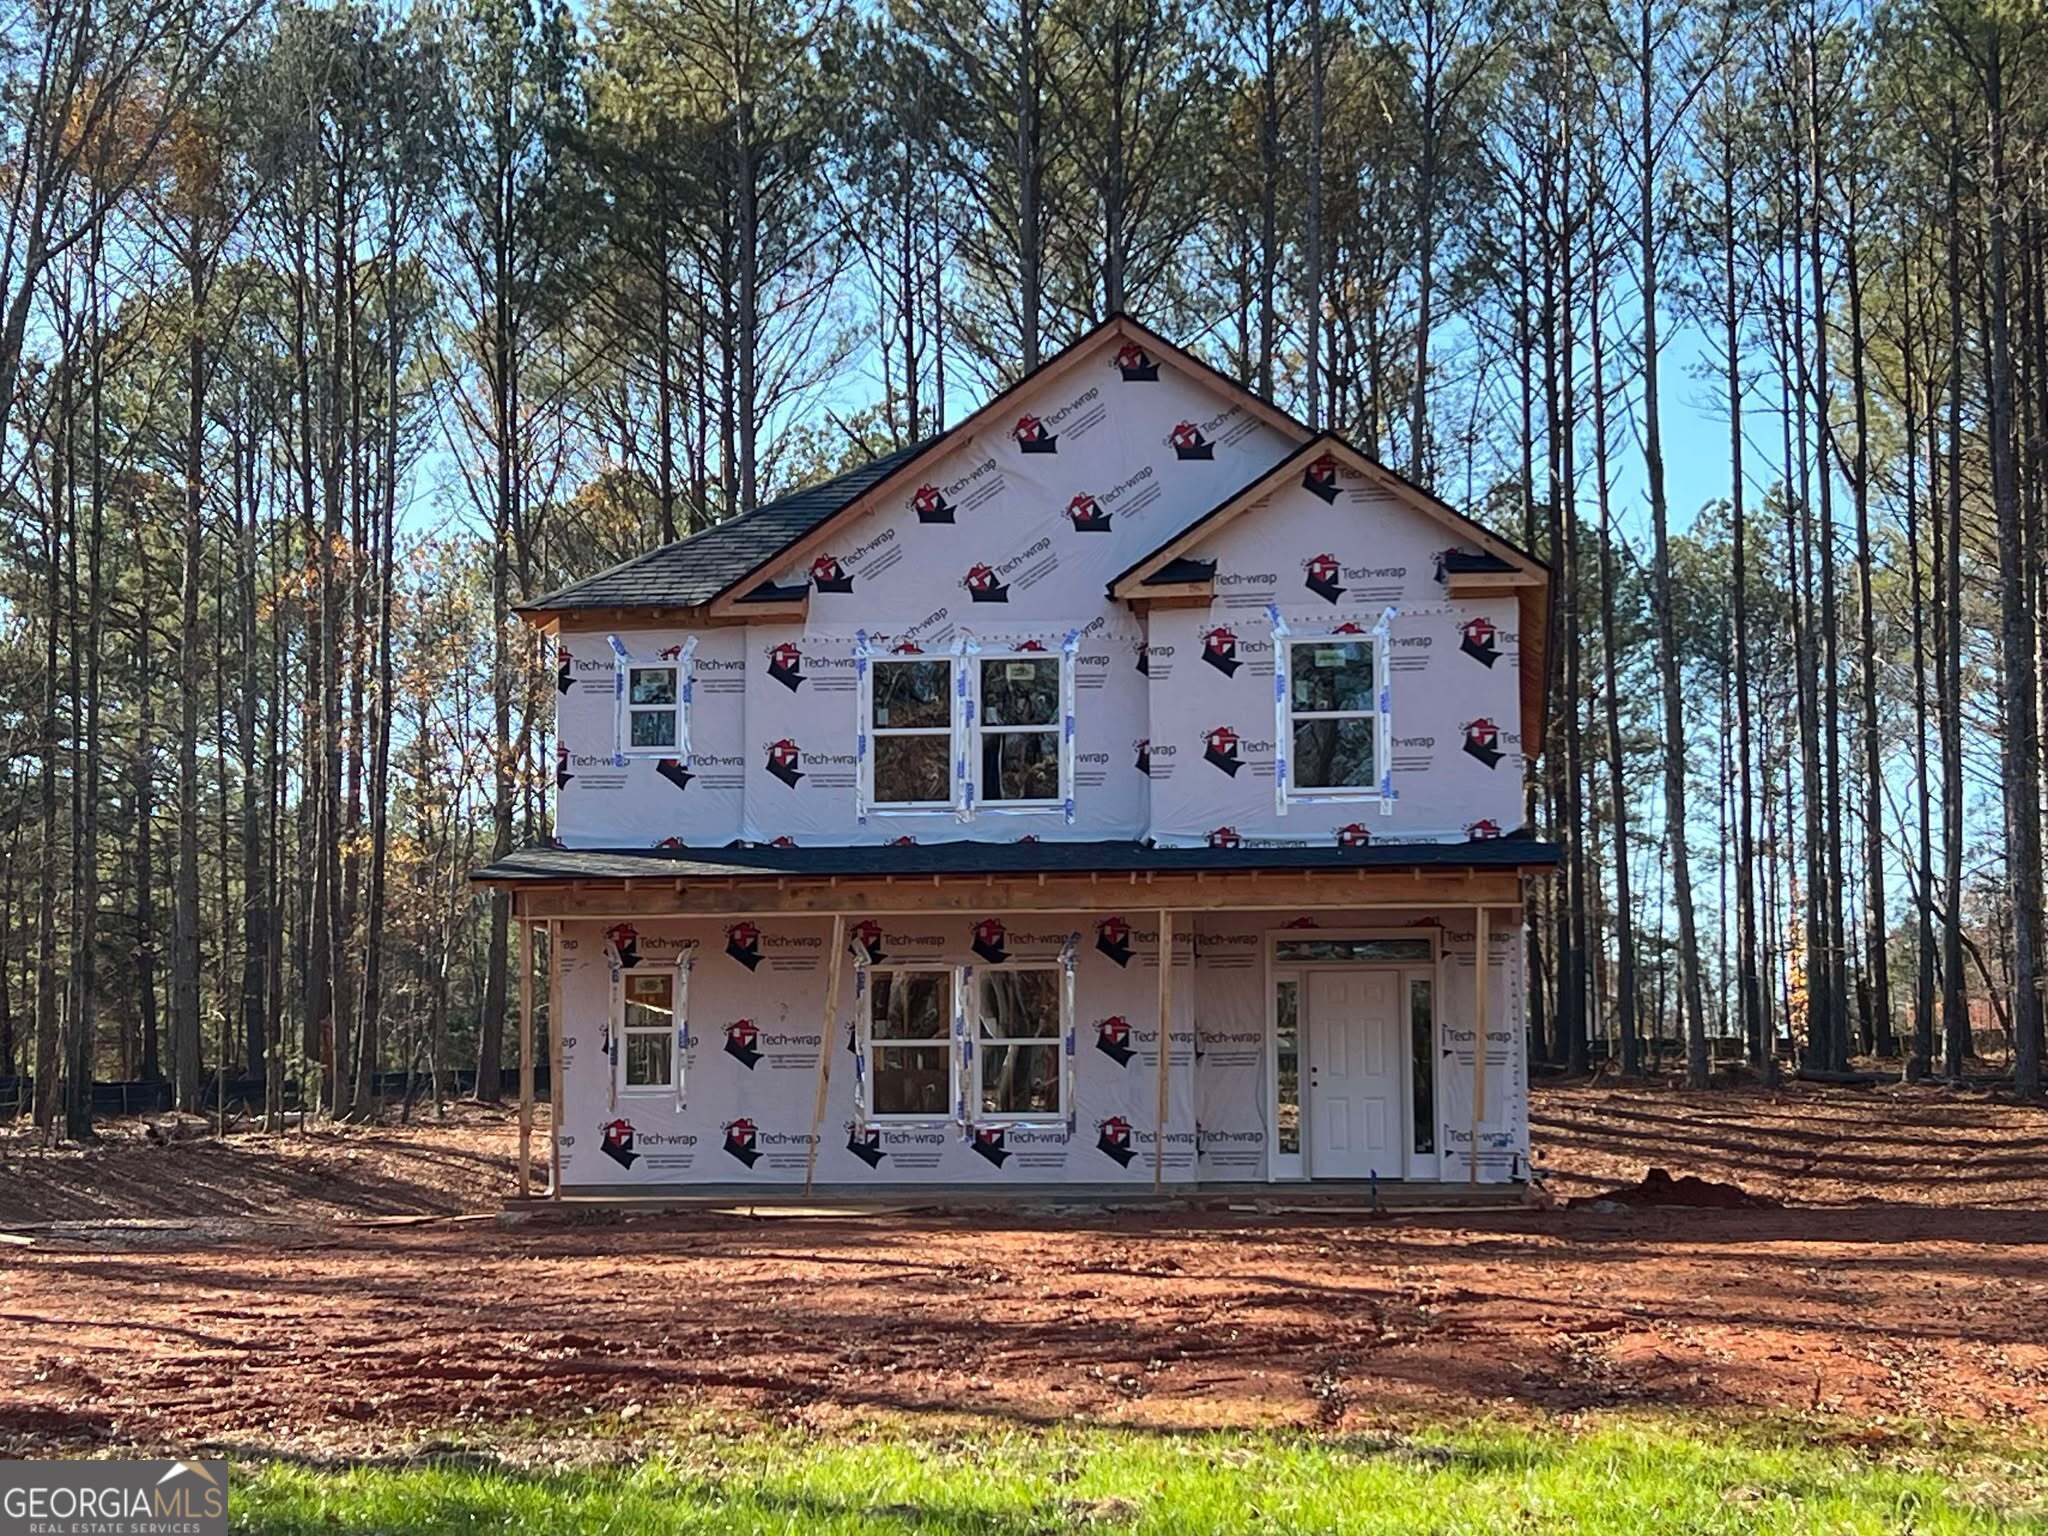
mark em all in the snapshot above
pixel 964 858
pixel 1179 570
pixel 697 569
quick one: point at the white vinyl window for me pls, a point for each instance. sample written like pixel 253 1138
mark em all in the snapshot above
pixel 650 708
pixel 648 1056
pixel 1019 1035
pixel 912 733
pixel 1018 724
pixel 1333 717
pixel 907 1038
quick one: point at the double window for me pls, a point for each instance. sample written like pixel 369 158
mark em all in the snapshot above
pixel 1017 1018
pixel 1016 751
pixel 647 1031
pixel 1333 716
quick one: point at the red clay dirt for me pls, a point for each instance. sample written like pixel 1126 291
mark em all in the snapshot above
pixel 1899 1300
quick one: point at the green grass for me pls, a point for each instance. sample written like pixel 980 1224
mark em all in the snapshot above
pixel 1629 1477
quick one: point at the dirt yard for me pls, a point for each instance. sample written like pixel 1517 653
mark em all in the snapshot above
pixel 1917 1290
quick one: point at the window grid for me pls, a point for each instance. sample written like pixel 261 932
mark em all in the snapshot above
pixel 988 1044
pixel 881 733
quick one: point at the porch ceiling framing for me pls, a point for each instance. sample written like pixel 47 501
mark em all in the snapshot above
pixel 924 895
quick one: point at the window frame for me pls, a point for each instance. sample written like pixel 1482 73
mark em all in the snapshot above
pixel 680 662
pixel 1291 791
pixel 872 735
pixel 942 1042
pixel 1057 729
pixel 1058 1041
pixel 677 1030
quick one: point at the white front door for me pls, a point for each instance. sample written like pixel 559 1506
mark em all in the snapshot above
pixel 1354 1074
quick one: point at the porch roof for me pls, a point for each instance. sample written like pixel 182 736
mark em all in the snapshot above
pixel 554 866
pixel 929 878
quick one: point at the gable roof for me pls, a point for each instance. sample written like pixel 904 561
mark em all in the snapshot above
pixel 729 567
pixel 1118 325
pixel 1499 568
pixel 692 571
pixel 1175 560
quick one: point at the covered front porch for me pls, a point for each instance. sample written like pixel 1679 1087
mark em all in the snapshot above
pixel 1327 1031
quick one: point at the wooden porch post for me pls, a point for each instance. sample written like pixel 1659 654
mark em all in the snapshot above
pixel 525 1058
pixel 555 1073
pixel 1483 967
pixel 825 1048
pixel 1165 1044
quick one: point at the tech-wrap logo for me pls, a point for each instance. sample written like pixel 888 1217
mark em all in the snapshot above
pixel 828 575
pixel 1086 514
pixel 1188 442
pixel 562 773
pixel 865 1143
pixel 1142 752
pixel 786 665
pixel 1484 830
pixel 993 1143
pixel 565 671
pixel 1113 1039
pixel 1225 837
pixel 867 933
pixel 983 586
pixel 1219 649
pixel 1321 477
pixel 1322 576
pixel 931 505
pixel 743 1140
pixel 1479 640
pixel 1220 748
pixel 1031 436
pixel 783 757
pixel 743 943
pixel 624 939
pixel 742 1043
pixel 1113 1138
pixel 990 940
pixel 1482 741
pixel 672 769
pixel 1113 938
pixel 1135 364
pixel 1353 835
pixel 618 1143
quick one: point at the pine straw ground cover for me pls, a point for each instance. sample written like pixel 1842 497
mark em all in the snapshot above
pixel 1630 1476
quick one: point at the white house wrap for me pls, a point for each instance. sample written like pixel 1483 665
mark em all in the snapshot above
pixel 1127 650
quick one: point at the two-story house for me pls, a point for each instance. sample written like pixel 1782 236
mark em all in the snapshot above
pixel 1123 787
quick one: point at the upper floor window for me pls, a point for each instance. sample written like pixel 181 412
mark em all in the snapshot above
pixel 1019 724
pixel 651 701
pixel 912 732
pixel 1333 714
pixel 654 703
